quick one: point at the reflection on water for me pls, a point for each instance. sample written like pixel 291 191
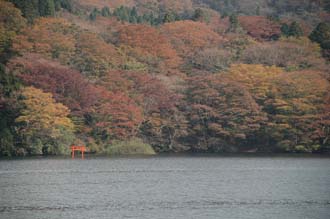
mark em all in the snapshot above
pixel 166 187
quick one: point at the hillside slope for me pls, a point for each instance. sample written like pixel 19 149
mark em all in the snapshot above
pixel 198 76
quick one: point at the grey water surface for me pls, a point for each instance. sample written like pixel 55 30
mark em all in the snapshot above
pixel 166 187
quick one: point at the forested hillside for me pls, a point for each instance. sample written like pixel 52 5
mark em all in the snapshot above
pixel 137 76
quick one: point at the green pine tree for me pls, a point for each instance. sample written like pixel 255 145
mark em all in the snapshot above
pixel 168 17
pixel 94 14
pixel 47 8
pixel 234 24
pixel 285 29
pixel 295 30
pixel 258 10
pixel 30 9
pixel 105 12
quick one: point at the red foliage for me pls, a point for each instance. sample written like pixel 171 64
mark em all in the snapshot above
pixel 148 92
pixel 52 37
pixel 118 115
pixel 67 86
pixel 260 27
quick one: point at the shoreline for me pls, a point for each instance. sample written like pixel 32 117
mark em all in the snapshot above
pixel 178 155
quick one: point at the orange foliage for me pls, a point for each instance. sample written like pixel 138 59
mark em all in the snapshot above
pixel 49 36
pixel 189 36
pixel 147 41
pixel 218 24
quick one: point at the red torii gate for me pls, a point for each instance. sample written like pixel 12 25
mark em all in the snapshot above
pixel 74 148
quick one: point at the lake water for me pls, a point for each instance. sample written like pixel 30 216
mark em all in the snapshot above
pixel 166 187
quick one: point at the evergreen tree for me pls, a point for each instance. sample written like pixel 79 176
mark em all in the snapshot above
pixel 292 30
pixel 234 24
pixel 57 4
pixel 105 12
pixel 66 4
pixel 201 15
pixel 8 84
pixel 295 30
pixel 168 17
pixel 30 9
pixel 124 16
pixel 46 8
pixel 258 10
pixel 321 33
pixel 224 14
pixel 94 14
pixel 139 19
pixel 198 14
pixel 327 5
pixel 285 29
pixel 133 20
pixel 133 13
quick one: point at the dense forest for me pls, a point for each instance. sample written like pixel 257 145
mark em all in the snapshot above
pixel 146 76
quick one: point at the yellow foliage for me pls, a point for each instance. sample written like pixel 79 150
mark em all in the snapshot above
pixel 42 114
pixel 302 41
pixel 257 78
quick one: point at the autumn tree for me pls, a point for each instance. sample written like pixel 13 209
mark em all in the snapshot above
pixel 289 53
pixel 257 79
pixel 66 85
pixel 94 57
pixel 161 123
pixel 212 59
pixel 294 103
pixel 117 117
pixel 147 45
pixel 52 37
pixel 188 37
pixel 260 27
pixel 223 116
pixel 296 108
pixel 43 124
